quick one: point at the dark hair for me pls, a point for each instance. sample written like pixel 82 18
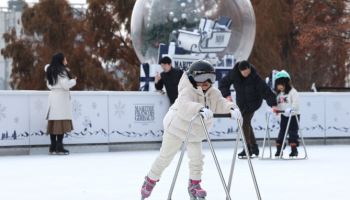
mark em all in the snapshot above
pixel 285 82
pixel 244 65
pixel 165 60
pixel 56 68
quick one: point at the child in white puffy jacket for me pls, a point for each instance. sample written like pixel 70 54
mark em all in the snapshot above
pixel 196 95
pixel 287 101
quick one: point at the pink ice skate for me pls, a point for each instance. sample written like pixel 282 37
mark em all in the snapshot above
pixel 195 191
pixel 147 187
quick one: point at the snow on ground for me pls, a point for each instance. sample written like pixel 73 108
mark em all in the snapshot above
pixel 119 175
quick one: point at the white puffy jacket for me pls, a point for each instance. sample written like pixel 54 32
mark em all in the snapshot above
pixel 289 101
pixel 188 104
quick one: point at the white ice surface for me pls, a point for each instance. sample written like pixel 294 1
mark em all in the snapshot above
pixel 119 175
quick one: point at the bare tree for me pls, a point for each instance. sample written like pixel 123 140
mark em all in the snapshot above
pixel 308 38
pixel 92 42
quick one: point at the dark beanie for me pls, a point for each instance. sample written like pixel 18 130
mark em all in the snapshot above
pixel 244 65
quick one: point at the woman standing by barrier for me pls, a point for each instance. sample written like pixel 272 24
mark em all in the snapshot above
pixel 59 114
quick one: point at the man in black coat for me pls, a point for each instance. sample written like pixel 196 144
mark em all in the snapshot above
pixel 250 89
pixel 169 78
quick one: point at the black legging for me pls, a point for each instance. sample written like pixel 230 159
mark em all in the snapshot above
pixel 56 139
pixel 292 132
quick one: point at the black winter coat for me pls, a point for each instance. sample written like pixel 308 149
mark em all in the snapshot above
pixel 250 91
pixel 170 80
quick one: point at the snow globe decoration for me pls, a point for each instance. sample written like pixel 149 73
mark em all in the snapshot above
pixel 220 31
pixel 194 25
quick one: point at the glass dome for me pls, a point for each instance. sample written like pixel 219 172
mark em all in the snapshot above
pixel 194 25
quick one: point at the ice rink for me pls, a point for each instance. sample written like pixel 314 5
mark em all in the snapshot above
pixel 119 175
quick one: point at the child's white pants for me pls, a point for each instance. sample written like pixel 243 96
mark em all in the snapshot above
pixel 170 146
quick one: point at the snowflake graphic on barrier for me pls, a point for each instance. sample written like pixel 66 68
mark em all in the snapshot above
pixel 38 105
pixel 16 120
pixel 308 104
pixel 337 106
pixel 87 123
pixel 314 118
pixel 76 106
pixel 2 112
pixel 119 109
pixel 94 105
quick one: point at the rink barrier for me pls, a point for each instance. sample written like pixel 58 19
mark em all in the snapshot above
pixel 105 117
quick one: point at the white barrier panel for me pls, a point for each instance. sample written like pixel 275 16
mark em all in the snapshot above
pixel 337 112
pixel 14 119
pixel 111 117
pixel 136 116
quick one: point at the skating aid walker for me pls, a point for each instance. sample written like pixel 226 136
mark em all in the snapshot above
pixel 228 186
pixel 268 138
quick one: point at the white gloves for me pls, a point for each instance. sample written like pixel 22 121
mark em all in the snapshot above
pixel 236 114
pixel 206 113
pixel 288 111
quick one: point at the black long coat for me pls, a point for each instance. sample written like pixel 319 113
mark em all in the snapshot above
pixel 250 91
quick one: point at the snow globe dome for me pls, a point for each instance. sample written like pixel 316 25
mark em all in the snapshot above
pixel 191 24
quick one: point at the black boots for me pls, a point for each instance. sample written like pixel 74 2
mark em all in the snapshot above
pixel 242 154
pixel 253 150
pixel 61 150
pixel 278 152
pixel 279 149
pixel 59 147
pixel 52 148
pixel 56 146
pixel 294 152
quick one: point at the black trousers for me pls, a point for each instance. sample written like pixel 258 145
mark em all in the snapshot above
pixel 292 131
pixel 248 129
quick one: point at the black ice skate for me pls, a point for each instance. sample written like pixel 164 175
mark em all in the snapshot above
pixel 52 149
pixel 253 152
pixel 294 152
pixel 60 150
pixel 279 149
pixel 278 152
pixel 242 155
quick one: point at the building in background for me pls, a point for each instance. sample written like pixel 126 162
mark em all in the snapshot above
pixel 10 17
